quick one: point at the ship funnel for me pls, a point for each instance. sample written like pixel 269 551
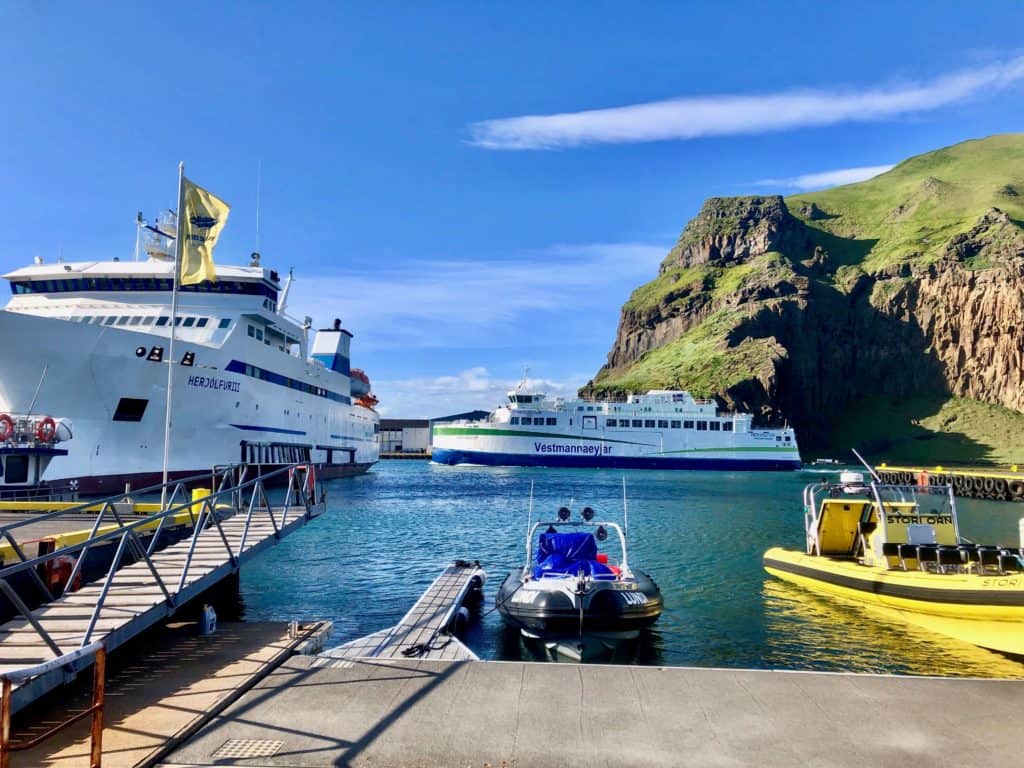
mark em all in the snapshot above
pixel 331 346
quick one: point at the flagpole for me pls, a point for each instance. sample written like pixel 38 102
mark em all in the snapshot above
pixel 174 321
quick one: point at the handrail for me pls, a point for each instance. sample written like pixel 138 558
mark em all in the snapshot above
pixel 96 709
pixel 137 523
pixel 301 477
pixel 103 502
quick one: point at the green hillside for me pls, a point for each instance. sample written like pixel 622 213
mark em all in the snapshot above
pixel 912 211
pixel 748 257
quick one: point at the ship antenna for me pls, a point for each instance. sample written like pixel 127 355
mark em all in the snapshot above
pixel 259 184
pixel 526 375
pixel 139 222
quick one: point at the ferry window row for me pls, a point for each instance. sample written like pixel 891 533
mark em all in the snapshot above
pixel 88 284
pixel 700 426
pixel 539 421
pixel 237 366
pixel 184 322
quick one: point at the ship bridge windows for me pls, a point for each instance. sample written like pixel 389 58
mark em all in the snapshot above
pixel 676 424
pixel 638 422
pixel 649 423
pixel 141 284
pixel 528 420
pixel 225 322
pixel 514 420
pixel 662 423
pixel 551 421
pixel 687 424
pixel 702 426
pixel 727 427
pixel 716 426
pixel 109 320
pixel 163 320
pixel 611 422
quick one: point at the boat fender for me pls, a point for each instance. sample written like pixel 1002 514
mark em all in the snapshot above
pixel 602 558
pixel 1017 488
pixel 46 429
pixel 6 427
pixel 922 479
pixel 460 620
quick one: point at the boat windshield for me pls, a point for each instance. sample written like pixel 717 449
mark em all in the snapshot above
pixel 918 512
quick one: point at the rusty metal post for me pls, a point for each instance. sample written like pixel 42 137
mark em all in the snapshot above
pixel 99 679
pixel 5 724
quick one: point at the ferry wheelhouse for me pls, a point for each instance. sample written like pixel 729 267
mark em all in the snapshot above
pixel 663 429
pixel 89 340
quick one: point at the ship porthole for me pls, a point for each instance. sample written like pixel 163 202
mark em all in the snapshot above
pixel 140 351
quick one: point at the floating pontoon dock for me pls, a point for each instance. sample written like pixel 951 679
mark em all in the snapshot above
pixel 425 632
pixel 1000 485
pixel 143 584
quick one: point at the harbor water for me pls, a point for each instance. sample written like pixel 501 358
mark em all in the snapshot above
pixel 389 533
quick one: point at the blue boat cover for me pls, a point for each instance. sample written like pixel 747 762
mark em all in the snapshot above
pixel 568 554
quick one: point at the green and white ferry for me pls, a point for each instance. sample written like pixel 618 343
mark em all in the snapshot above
pixel 663 429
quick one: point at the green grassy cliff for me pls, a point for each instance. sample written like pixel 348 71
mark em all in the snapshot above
pixel 904 289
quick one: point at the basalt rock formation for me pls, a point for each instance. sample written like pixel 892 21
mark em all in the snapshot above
pixel 910 284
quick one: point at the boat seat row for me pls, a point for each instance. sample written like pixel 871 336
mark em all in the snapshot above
pixel 982 558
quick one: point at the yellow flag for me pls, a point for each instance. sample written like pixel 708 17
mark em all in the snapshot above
pixel 205 216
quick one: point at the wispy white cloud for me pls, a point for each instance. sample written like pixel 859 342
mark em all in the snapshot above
pixel 827 178
pixel 472 389
pixel 462 303
pixel 724 115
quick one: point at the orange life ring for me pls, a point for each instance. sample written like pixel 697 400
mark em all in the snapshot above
pixel 46 430
pixel 6 427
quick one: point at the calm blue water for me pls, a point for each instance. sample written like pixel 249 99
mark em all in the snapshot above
pixel 387 535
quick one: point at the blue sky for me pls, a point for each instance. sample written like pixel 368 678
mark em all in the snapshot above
pixel 473 188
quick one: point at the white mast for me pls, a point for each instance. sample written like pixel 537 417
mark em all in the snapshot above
pixel 174 320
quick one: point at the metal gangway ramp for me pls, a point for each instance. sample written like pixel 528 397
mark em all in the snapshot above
pixel 425 632
pixel 143 583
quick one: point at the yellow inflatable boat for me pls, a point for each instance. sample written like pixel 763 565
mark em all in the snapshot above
pixel 900 547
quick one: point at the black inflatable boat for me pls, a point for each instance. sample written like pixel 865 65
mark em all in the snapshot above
pixel 570 597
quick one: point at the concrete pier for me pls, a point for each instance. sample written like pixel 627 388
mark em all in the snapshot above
pixel 430 713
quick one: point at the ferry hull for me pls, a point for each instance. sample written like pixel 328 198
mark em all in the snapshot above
pixel 82 372
pixel 984 610
pixel 456 456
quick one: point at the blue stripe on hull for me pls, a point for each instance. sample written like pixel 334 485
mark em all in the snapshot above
pixel 449 456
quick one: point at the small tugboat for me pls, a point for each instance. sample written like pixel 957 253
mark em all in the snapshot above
pixel 899 546
pixel 27 446
pixel 570 598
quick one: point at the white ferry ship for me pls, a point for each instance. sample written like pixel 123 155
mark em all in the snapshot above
pixel 663 429
pixel 89 340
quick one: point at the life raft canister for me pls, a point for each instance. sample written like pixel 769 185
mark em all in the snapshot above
pixel 6 427
pixel 46 430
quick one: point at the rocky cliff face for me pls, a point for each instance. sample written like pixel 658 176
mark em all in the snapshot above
pixel 830 332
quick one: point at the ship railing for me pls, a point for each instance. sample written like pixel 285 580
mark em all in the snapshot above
pixel 232 494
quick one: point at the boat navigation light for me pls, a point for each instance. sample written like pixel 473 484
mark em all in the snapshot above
pixel 563 513
pixel 588 513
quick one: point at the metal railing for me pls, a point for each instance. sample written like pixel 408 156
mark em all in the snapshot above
pixel 99 678
pixel 232 495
